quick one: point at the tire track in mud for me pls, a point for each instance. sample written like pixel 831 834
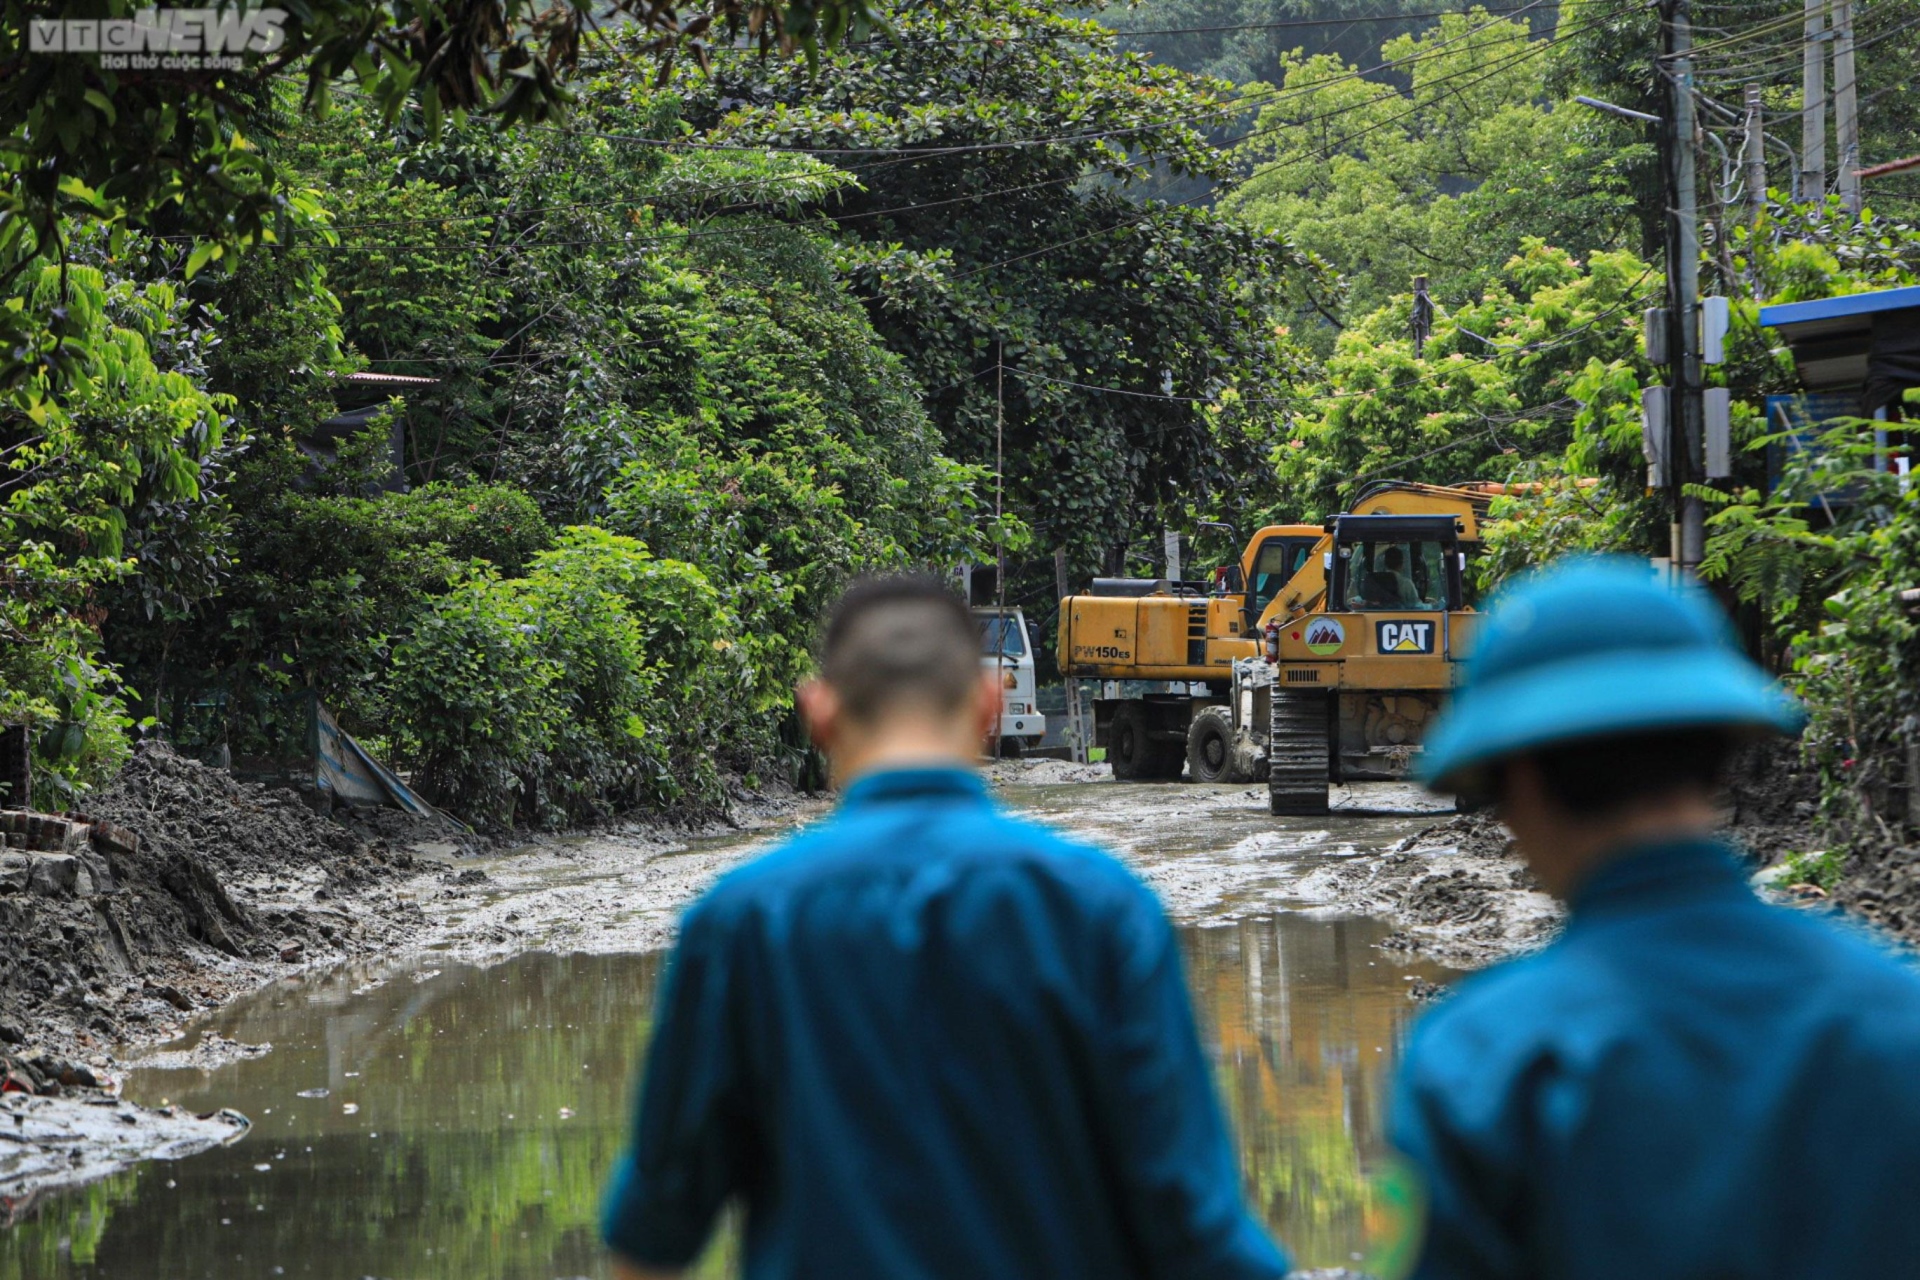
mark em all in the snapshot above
pixel 1212 853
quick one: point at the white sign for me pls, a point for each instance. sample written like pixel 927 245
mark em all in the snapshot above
pixel 164 39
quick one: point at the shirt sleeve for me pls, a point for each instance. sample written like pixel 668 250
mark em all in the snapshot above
pixel 1457 1126
pixel 690 1124
pixel 1178 1172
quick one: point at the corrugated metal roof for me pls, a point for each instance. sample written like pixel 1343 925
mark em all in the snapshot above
pixel 1830 337
pixel 386 379
pixel 1794 314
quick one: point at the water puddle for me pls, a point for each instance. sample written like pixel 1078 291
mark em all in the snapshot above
pixel 443 1118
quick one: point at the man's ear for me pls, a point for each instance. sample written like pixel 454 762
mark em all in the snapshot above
pixel 820 710
pixel 986 706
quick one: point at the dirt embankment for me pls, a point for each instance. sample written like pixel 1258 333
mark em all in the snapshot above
pixel 231 885
pixel 1460 894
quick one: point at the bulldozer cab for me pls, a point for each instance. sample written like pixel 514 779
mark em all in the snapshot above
pixel 1397 563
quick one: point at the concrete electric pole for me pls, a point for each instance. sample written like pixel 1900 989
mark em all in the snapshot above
pixel 1756 160
pixel 1813 104
pixel 1846 107
pixel 1683 289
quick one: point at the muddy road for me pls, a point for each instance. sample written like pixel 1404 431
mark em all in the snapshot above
pixel 454 1110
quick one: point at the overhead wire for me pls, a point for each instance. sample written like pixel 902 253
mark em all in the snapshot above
pixel 915 154
pixel 1233 106
pixel 1530 50
pixel 912 155
pixel 1440 371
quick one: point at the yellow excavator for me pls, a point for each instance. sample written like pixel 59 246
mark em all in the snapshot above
pixel 1319 656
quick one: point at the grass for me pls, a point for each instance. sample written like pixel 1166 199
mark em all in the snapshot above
pixel 1822 867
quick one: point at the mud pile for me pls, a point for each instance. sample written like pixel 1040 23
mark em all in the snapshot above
pixel 1885 890
pixel 229 884
pixel 1482 903
pixel 1455 891
pixel 1772 797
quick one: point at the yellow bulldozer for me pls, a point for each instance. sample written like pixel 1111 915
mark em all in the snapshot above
pixel 1319 656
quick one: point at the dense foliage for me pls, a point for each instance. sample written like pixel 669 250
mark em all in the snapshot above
pixel 720 403
pixel 654 406
pixel 536 454
pixel 1103 343
pixel 84 144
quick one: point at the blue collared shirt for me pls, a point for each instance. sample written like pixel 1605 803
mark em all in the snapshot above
pixel 925 1039
pixel 1688 1083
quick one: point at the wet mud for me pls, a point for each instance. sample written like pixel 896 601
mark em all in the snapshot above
pixel 48 1145
pixel 442 1117
pixel 1415 894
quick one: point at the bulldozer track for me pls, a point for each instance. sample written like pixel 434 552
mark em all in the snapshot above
pixel 1297 753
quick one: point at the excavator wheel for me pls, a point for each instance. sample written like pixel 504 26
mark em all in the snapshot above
pixel 1298 753
pixel 1213 752
pixel 1131 756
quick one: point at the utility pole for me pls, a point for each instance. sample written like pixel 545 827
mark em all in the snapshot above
pixel 1756 164
pixel 1813 105
pixel 1076 741
pixel 1683 289
pixel 1422 317
pixel 1846 106
pixel 999 540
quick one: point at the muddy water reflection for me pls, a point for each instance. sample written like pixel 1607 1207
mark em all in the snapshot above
pixel 471 1115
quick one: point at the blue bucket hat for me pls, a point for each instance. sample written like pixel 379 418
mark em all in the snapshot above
pixel 1590 648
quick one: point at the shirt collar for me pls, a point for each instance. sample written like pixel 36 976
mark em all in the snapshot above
pixel 1660 870
pixel 927 782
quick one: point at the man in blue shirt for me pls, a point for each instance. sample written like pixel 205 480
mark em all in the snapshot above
pixel 1689 1082
pixel 923 1038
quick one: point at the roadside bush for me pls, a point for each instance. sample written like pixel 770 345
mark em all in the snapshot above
pixel 600 681
pixel 474 688
pixel 323 579
pixel 697 698
pixel 1833 594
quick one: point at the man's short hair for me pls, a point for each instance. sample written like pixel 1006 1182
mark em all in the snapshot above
pixel 1596 777
pixel 901 642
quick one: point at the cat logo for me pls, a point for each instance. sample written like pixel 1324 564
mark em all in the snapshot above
pixel 1406 637
pixel 1325 636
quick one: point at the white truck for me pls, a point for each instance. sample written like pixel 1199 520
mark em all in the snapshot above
pixel 1007 649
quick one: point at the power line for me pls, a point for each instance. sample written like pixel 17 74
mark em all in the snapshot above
pixel 1439 372
pixel 1230 107
pixel 910 156
pixel 1321 22
pixel 1530 50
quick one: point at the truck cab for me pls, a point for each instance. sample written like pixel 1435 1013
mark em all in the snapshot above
pixel 1007 650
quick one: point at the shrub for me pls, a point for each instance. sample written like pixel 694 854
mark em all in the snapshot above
pixel 600 681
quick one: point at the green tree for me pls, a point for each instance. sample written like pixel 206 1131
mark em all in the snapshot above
pixel 1052 319
pixel 101 489
pixel 84 145
pixel 1443 177
pixel 1541 368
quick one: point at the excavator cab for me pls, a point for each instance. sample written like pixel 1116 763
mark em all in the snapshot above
pixel 1397 562
pixel 1279 556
